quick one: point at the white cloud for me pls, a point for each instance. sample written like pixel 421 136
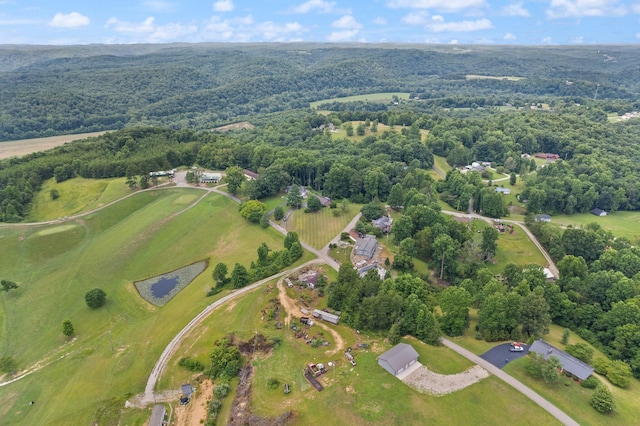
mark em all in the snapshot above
pixel 454 41
pixel 159 6
pixel 420 17
pixel 509 37
pixel 438 18
pixel 580 8
pixel 346 35
pixel 546 40
pixel 346 22
pixel 380 21
pixel 578 40
pixel 637 35
pixel 444 5
pixel 318 5
pixel 223 6
pixel 145 26
pixel 636 8
pixel 245 29
pixel 71 20
pixel 155 33
pixel 462 26
pixel 516 9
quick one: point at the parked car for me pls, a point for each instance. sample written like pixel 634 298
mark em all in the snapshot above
pixel 516 348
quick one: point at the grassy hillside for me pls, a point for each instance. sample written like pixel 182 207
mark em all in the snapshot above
pixel 54 267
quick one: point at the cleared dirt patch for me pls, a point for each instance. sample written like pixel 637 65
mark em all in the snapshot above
pixel 235 126
pixel 195 412
pixel 426 381
pixel 28 146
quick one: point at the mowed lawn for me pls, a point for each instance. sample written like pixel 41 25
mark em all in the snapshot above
pixel 621 223
pixel 364 394
pixel 317 229
pixel 516 248
pixel 75 196
pixel 85 379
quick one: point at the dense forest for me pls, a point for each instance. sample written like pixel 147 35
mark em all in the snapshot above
pixel 46 91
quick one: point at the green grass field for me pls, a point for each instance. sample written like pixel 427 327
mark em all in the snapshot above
pixel 621 223
pixel 54 267
pixel 317 229
pixel 488 77
pixel 516 248
pixel 76 195
pixel 372 97
pixel 441 164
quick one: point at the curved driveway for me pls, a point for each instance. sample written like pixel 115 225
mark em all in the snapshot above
pixel 518 385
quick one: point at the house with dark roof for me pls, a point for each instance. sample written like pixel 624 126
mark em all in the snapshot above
pixel 398 358
pixel 383 223
pixel 598 212
pixel 366 246
pixel 569 363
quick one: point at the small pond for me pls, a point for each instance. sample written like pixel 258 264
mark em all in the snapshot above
pixel 160 289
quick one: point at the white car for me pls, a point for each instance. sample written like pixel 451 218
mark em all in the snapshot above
pixel 516 348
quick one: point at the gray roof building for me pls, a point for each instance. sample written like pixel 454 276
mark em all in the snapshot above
pixel 366 246
pixel 326 316
pixel 157 415
pixel 384 223
pixel 569 363
pixel 398 358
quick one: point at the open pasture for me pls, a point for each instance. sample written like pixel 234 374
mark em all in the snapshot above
pixel 115 346
pixel 620 224
pixel 75 196
pixel 28 146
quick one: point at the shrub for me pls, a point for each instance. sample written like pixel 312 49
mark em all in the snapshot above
pixel 602 400
pixel 565 336
pixel 95 298
pixel 273 383
pixel 582 351
pixel 619 373
pixel 591 382
pixel 191 364
pixel 601 365
pixel 221 390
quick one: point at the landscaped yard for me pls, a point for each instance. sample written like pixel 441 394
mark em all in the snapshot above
pixel 516 248
pixel 317 229
pixel 621 223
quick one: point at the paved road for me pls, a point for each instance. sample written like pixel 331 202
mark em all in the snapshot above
pixel 518 385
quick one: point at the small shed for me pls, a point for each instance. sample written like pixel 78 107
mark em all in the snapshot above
pixel 187 389
pixel 210 177
pixel 569 363
pixel 157 415
pixel 398 358
pixel 598 212
pixel 326 316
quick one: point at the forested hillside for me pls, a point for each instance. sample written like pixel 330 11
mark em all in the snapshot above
pixel 54 90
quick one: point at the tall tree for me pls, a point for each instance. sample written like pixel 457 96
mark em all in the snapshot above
pixel 239 276
pixel 535 314
pixel 95 298
pixel 67 328
pixel 294 197
pixel 396 197
pixel 234 177
pixel 454 303
pixel 489 244
pixel 220 273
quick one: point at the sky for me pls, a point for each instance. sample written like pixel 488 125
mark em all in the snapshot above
pixel 531 22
